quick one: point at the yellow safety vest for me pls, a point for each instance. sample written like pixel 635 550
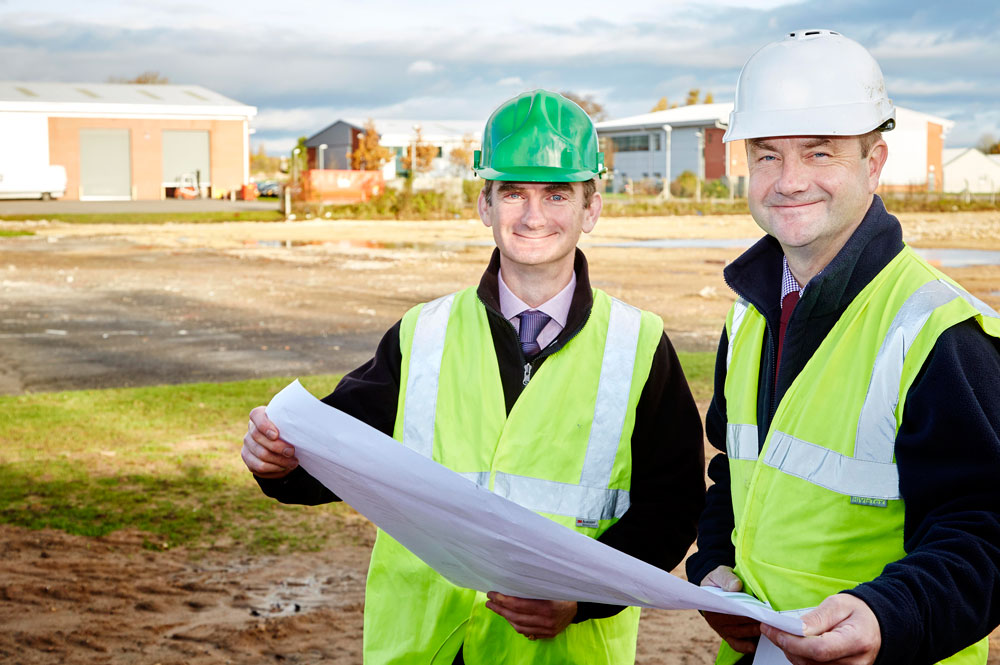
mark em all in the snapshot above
pixel 818 511
pixel 564 451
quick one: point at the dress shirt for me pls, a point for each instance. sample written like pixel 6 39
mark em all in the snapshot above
pixel 557 307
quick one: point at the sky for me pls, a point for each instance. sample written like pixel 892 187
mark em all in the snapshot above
pixel 306 64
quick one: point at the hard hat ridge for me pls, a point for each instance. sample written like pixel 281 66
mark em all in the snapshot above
pixel 539 136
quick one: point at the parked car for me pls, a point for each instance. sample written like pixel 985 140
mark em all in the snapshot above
pixel 269 188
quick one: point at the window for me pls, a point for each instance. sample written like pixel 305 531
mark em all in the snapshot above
pixel 656 142
pixel 635 143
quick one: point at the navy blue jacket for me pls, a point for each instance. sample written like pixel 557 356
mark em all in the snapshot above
pixel 668 456
pixel 945 593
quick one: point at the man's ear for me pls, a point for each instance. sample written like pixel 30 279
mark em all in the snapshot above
pixel 592 212
pixel 874 162
pixel 484 209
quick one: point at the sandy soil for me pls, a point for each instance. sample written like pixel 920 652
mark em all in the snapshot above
pixel 117 305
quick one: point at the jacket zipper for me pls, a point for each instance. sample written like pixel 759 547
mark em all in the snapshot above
pixel 528 366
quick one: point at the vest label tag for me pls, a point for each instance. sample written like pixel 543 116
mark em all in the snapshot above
pixel 868 501
pixel 587 524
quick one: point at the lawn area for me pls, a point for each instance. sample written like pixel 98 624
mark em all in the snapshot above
pixel 165 460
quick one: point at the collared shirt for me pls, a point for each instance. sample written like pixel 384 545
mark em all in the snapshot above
pixel 788 281
pixel 556 307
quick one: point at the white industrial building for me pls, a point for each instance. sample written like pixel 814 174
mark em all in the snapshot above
pixel 916 149
pixel 969 170
pixel 125 141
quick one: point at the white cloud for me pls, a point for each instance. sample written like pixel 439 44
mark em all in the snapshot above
pixel 514 81
pixel 923 88
pixel 422 67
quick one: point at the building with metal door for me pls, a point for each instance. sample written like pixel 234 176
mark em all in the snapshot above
pixel 126 141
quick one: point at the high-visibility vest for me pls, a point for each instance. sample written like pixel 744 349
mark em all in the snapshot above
pixel 818 510
pixel 564 451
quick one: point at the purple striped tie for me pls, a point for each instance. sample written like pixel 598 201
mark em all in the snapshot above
pixel 532 322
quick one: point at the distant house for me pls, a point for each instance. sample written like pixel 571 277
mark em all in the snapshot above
pixel 663 144
pixel 343 136
pixel 331 148
pixel 969 170
pixel 126 141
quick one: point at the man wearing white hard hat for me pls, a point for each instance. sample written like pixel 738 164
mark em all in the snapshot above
pixel 857 393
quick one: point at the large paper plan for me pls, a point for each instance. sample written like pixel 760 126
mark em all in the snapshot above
pixel 473 537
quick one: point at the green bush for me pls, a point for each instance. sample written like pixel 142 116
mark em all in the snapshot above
pixel 685 185
pixel 470 191
pixel 715 189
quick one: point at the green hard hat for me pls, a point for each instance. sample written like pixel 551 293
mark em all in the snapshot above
pixel 539 136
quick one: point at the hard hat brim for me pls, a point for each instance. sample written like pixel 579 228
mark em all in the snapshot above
pixel 538 174
pixel 842 120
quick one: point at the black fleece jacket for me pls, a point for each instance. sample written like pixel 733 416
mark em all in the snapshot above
pixel 668 487
pixel 945 593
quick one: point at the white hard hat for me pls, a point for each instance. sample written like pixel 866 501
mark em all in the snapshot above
pixel 811 83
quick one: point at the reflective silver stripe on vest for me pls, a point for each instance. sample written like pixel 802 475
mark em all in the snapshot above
pixel 613 391
pixel 742 442
pixel 422 378
pixel 876 434
pixel 481 478
pixel 548 496
pixel 829 469
pixel 590 499
pixel 871 472
pixel 739 311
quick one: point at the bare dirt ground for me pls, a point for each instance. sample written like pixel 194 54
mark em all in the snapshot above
pixel 116 305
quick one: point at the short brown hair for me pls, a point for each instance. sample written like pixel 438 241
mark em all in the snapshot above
pixel 869 140
pixel 589 187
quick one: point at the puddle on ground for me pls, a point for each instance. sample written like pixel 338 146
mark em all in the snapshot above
pixel 352 244
pixel 682 243
pixel 960 258
pixel 296 595
pixel 944 258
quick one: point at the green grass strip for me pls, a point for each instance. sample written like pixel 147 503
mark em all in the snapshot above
pixel 165 460
pixel 209 217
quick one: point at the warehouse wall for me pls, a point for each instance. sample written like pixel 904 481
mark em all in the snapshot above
pixel 226 144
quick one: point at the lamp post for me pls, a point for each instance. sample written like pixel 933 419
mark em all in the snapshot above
pixel 295 164
pixel 413 155
pixel 322 147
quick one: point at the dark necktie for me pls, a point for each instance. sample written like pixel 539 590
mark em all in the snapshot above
pixel 532 322
pixel 787 305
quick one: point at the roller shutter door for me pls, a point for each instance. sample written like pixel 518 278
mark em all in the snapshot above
pixel 105 165
pixel 185 152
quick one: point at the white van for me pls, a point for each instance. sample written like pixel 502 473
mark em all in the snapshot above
pixel 46 182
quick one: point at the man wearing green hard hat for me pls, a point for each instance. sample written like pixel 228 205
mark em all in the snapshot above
pixel 545 390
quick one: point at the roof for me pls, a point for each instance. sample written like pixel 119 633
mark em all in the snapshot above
pixel 951 154
pixel 117 99
pixel 946 124
pixel 401 132
pixel 682 116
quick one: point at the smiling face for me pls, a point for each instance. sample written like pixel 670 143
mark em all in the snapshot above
pixel 537 224
pixel 811 192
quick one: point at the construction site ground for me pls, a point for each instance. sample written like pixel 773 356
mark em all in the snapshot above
pixel 113 305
